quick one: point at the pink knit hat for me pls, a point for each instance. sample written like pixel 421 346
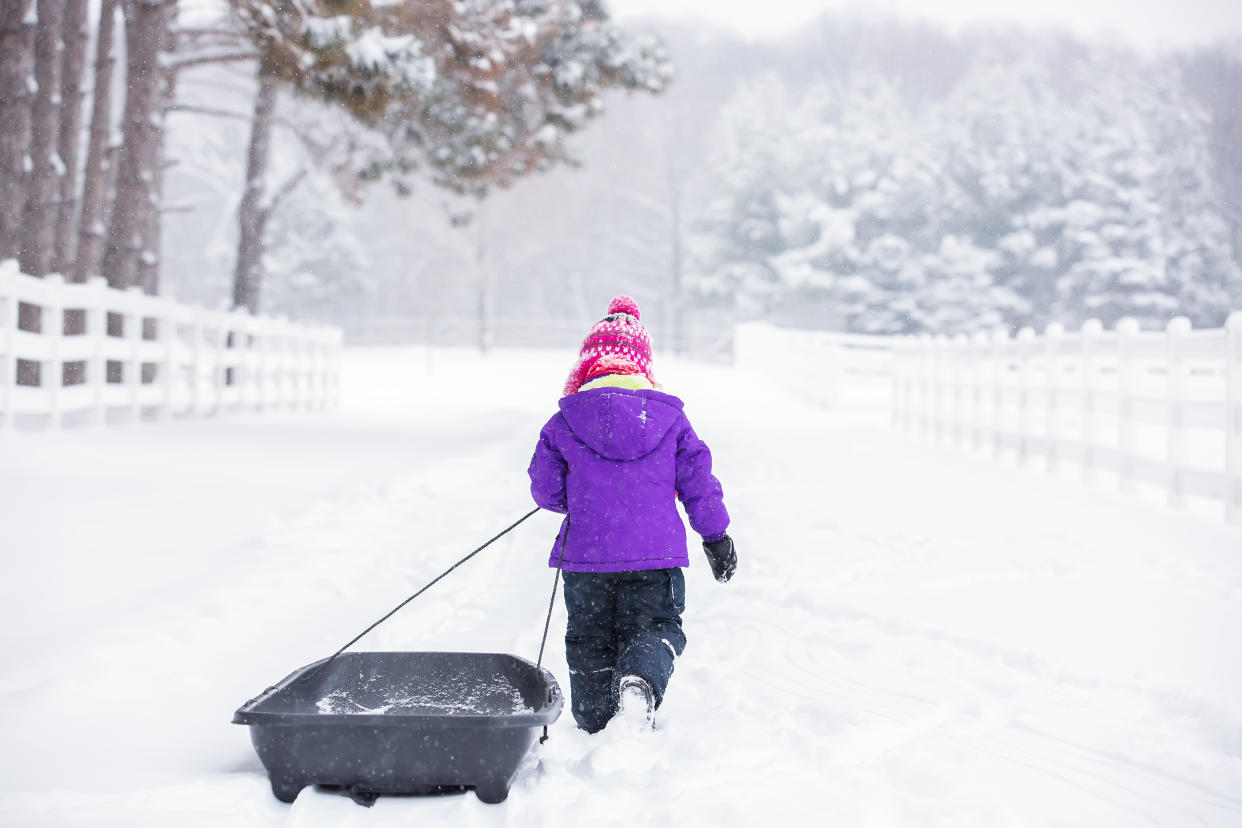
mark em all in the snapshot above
pixel 618 344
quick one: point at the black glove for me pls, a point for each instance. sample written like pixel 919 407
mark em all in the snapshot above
pixel 723 558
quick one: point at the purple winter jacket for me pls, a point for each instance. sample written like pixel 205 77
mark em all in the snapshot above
pixel 615 460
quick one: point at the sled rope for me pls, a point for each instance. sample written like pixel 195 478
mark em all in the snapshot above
pixel 551 603
pixel 437 579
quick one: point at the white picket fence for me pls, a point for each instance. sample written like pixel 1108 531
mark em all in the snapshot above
pixel 149 356
pixel 1159 408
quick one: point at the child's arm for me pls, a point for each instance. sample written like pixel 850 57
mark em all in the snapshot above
pixel 697 488
pixel 547 473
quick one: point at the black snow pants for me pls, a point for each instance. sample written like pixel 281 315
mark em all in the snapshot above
pixel 620 624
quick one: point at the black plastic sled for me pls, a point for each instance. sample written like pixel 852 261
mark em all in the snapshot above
pixel 405 723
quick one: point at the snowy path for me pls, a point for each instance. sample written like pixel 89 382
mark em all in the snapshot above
pixel 915 636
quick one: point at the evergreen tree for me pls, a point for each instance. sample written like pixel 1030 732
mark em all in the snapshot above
pixel 1198 255
pixel 477 92
pixel 313 258
pixel 865 173
pixel 1005 203
pixel 1143 237
pixel 1000 138
pixel 754 159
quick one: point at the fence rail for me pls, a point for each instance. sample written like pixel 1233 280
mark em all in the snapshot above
pixel 1157 408
pixel 90 353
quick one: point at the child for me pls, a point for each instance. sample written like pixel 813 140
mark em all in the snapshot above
pixel 614 459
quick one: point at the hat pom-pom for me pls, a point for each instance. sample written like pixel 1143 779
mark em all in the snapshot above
pixel 624 304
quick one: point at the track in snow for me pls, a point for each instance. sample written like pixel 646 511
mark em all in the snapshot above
pixel 915 636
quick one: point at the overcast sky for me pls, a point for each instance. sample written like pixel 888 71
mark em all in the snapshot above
pixel 1148 24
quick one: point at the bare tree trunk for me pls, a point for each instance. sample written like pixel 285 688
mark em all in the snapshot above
pixel 17 32
pixel 146 25
pixel 72 71
pixel 149 261
pixel 252 214
pixel 95 176
pixel 42 186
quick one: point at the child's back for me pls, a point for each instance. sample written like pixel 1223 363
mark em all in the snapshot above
pixel 614 459
pixel 630 454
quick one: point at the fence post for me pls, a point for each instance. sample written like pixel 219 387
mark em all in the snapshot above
pixel 197 329
pixel 329 350
pixel 168 368
pixel 1052 383
pixel 97 336
pixel 999 371
pixel 280 364
pixel 909 359
pixel 1175 332
pixel 301 355
pixel 1090 428
pixel 955 354
pixel 240 327
pixel 219 366
pixel 925 385
pixel 315 368
pixel 978 362
pixel 8 340
pixel 831 363
pixel 262 347
pixel 51 372
pixel 338 345
pixel 1024 347
pixel 940 373
pixel 132 372
pixel 894 356
pixel 1127 330
pixel 1233 418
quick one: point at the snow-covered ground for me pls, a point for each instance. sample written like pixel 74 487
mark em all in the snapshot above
pixel 915 636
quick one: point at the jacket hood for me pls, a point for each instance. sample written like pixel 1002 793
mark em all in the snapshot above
pixel 618 423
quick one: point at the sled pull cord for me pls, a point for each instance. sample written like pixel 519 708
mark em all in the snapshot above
pixel 438 578
pixel 551 603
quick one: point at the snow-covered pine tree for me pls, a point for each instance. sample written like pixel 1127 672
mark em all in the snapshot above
pixel 753 159
pixel 313 260
pixel 343 53
pixel 1143 237
pixel 1205 277
pixel 478 92
pixel 1214 78
pixel 512 80
pixel 1000 138
pixel 863 172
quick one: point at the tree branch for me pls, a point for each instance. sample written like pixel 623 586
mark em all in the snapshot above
pixel 285 189
pixel 192 32
pixel 176 64
pixel 190 109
